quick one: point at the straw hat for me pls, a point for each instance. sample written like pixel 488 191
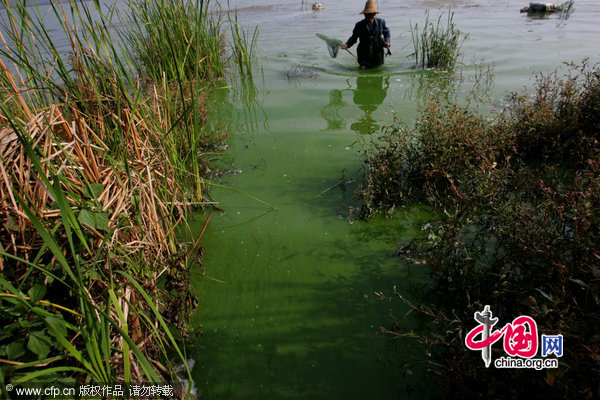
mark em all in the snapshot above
pixel 370 8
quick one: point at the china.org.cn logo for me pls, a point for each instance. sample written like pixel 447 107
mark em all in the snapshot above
pixel 520 339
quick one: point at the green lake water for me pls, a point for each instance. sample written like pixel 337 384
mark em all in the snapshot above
pixel 287 304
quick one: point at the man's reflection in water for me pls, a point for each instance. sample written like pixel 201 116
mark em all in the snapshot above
pixel 331 112
pixel 370 92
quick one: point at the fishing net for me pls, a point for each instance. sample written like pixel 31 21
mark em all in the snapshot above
pixel 333 45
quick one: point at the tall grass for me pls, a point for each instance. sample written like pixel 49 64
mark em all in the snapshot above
pixel 243 47
pixel 175 48
pixel 101 159
pixel 181 49
pixel 436 45
pixel 175 39
pixel 84 188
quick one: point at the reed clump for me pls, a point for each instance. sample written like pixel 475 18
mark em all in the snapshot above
pixel 244 48
pixel 176 39
pixel 520 194
pixel 102 159
pixel 436 45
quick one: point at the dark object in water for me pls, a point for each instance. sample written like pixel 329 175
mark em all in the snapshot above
pixel 541 8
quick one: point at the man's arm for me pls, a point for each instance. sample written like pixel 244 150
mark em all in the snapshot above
pixel 386 33
pixel 355 33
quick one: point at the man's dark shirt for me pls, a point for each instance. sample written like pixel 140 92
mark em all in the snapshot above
pixel 370 46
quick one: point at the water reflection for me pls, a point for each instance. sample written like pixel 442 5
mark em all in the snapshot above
pixel 331 112
pixel 239 105
pixel 369 94
pixel 469 82
pixel 431 83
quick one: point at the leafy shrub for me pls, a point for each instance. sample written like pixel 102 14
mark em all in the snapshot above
pixel 520 231
pixel 450 147
pixel 562 119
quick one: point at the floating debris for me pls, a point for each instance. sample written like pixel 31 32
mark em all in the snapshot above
pixel 541 8
pixel 296 74
pixel 185 389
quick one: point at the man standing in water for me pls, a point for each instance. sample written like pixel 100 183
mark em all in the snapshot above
pixel 373 36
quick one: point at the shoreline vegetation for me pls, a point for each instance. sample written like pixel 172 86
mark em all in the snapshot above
pixel 516 199
pixel 105 150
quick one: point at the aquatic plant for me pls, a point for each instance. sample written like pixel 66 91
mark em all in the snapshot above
pixel 100 166
pixel 175 38
pixel 518 196
pixel 436 45
pixel 243 47
pixel 566 9
pixel 180 50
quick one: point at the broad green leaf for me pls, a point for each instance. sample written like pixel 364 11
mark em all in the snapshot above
pixel 102 221
pixel 96 219
pixel 94 190
pixel 39 344
pixel 87 217
pixel 14 311
pixel 40 312
pixel 15 349
pixel 37 292
pixel 24 323
pixel 7 332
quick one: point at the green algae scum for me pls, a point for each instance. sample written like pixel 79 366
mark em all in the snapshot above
pixel 295 293
pixel 288 305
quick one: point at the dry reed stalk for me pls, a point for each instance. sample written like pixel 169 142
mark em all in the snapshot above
pixel 70 148
pixel 15 90
pixel 127 184
pixel 81 161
